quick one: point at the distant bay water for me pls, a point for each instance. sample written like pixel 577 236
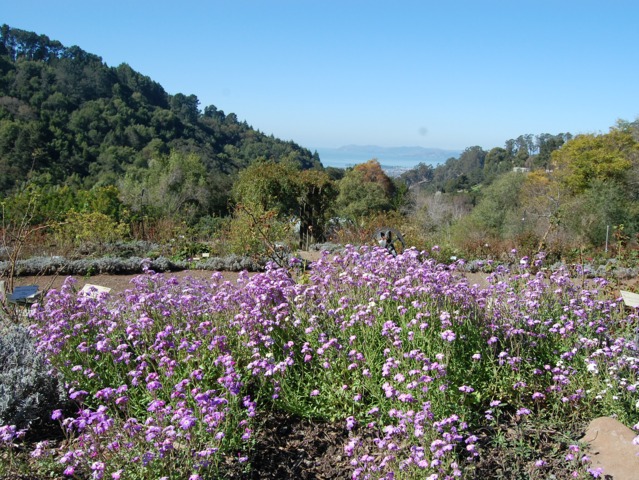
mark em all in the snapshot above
pixel 394 160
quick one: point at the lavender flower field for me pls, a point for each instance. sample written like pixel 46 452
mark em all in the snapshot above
pixel 426 374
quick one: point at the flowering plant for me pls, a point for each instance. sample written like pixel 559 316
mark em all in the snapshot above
pixel 170 378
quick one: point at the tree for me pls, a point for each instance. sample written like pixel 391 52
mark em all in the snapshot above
pixel 435 211
pixel 496 162
pixel 472 161
pixel 588 214
pixel 281 188
pixel 372 172
pixel 499 208
pixel 542 199
pixel 364 190
pixel 316 198
pixel 185 107
pixel 270 184
pixel 174 186
pixel 422 173
pixel 546 144
pixel 587 158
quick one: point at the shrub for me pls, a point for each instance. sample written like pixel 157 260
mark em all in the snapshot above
pixel 255 232
pixel 90 230
pixel 28 390
pixel 127 266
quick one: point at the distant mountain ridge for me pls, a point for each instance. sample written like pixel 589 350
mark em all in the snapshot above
pixel 395 158
pixel 402 150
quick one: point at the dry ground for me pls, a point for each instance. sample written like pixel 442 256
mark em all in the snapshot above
pixel 117 283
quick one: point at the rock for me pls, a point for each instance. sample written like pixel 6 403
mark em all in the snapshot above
pixel 611 448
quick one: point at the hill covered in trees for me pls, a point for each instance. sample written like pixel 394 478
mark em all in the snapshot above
pixel 68 118
pixel 558 193
pixel 476 166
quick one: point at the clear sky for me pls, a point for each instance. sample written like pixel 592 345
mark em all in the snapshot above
pixel 325 73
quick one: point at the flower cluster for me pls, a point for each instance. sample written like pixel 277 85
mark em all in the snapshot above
pixel 414 360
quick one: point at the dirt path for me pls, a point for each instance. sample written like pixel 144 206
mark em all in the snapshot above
pixel 117 283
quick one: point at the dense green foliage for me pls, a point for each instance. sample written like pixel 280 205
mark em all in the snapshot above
pixel 68 118
pixel 559 194
pixel 366 190
pixel 288 192
pixel 476 166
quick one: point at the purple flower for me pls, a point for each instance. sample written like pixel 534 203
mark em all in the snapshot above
pixel 187 422
pixel 406 398
pixel 349 448
pixel 78 395
pixel 98 470
pixel 448 335
pixel 153 385
pixel 350 423
pixel 156 405
pixel 105 393
pixel 7 433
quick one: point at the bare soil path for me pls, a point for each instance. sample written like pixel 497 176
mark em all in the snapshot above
pixel 117 283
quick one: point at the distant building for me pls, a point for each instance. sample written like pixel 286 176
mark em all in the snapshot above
pixel 521 169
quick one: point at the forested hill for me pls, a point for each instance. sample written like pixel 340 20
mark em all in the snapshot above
pixel 67 117
pixel 476 166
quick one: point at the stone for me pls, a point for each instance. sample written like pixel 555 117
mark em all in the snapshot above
pixel 610 447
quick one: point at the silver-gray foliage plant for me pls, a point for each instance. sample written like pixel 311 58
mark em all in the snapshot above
pixel 29 392
pixel 131 265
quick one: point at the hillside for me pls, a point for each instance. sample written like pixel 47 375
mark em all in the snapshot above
pixel 66 117
pixel 475 166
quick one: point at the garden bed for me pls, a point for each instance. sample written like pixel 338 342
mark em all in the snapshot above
pixel 364 365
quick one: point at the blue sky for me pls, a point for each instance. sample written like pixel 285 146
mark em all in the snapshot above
pixel 327 73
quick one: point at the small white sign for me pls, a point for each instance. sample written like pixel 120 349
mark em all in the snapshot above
pixel 630 299
pixel 94 290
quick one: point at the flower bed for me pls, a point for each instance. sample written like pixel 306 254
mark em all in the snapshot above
pixel 422 370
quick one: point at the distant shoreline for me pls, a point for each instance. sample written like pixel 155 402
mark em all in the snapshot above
pixel 394 160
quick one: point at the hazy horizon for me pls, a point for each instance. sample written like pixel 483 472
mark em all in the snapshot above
pixel 394 158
